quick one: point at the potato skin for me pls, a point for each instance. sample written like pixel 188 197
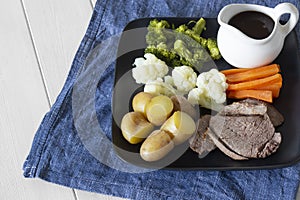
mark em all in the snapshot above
pixel 182 104
pixel 181 126
pixel 135 127
pixel 157 145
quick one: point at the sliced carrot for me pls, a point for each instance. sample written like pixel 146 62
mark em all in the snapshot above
pixel 254 73
pixel 265 95
pixel 234 71
pixel 274 87
pixel 254 84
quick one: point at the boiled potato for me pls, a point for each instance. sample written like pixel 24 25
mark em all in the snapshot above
pixel 159 109
pixel 181 125
pixel 156 146
pixel 140 100
pixel 135 127
pixel 182 104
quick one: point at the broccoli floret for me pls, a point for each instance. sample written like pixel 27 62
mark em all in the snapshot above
pixel 182 28
pixel 213 48
pixel 199 26
pixel 161 51
pixel 155 37
pixel 180 49
pixel 158 24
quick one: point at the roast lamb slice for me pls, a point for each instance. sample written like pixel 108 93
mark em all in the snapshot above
pixel 241 130
pixel 275 116
pixel 244 108
pixel 201 142
pixel 271 146
pixel 245 135
pixel 223 148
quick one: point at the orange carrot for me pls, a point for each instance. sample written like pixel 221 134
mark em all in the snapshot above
pixel 254 84
pixel 274 87
pixel 254 73
pixel 234 71
pixel 265 95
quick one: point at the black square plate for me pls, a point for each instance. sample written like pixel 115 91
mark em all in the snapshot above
pixel 132 45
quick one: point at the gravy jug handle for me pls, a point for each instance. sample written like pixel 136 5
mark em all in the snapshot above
pixel 287 8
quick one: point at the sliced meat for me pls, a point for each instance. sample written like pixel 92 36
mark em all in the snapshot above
pixel 223 148
pixel 201 142
pixel 241 130
pixel 271 146
pixel 244 108
pixel 275 116
pixel 245 135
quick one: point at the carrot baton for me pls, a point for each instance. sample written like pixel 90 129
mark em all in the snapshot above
pixel 274 87
pixel 234 71
pixel 254 84
pixel 252 74
pixel 264 95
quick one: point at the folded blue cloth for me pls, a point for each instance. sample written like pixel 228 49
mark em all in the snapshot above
pixel 59 156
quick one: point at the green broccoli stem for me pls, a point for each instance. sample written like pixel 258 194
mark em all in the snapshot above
pixel 199 26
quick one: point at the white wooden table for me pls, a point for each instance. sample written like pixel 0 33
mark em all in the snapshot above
pixel 38 41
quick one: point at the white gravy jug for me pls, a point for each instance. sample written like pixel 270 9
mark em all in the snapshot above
pixel 243 51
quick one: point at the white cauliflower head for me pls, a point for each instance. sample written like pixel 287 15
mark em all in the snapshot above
pixel 149 69
pixel 158 87
pixel 210 91
pixel 184 78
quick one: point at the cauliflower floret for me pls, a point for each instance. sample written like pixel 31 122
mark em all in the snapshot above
pixel 169 80
pixel 184 78
pixel 149 69
pixel 210 91
pixel 158 87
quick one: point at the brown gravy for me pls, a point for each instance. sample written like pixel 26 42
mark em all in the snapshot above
pixel 254 24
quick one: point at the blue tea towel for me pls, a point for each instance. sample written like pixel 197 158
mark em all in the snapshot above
pixel 61 154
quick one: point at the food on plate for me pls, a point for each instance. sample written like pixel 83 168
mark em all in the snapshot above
pixel 275 116
pixel 210 91
pixel 182 104
pixel 242 130
pixel 181 45
pixel 253 74
pixel 184 78
pixel 158 109
pixel 180 125
pixel 223 147
pixel 140 100
pixel 201 142
pixel 263 83
pixel 157 145
pixel 265 95
pixel 159 87
pixel 227 72
pixel 148 69
pixel 274 88
pixel 253 84
pixel 135 127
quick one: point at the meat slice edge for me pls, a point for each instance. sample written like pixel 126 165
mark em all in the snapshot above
pixel 275 116
pixel 201 142
pixel 245 135
pixel 243 108
pixel 223 148
pixel 271 146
